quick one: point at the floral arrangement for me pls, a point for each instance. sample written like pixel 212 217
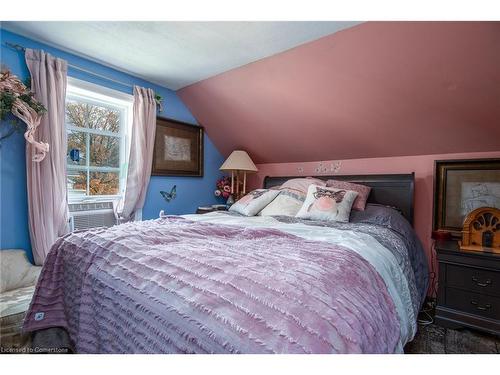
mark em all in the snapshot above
pixel 223 187
pixel 17 98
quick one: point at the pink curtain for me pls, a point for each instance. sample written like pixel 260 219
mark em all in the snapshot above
pixel 141 153
pixel 46 180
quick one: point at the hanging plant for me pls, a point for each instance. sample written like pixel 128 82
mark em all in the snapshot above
pixel 159 102
pixel 17 99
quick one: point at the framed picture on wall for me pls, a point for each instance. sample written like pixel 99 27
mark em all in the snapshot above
pixel 461 186
pixel 178 149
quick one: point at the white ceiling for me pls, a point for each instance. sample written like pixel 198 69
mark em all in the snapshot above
pixel 175 54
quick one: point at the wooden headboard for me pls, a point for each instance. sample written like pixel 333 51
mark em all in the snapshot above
pixel 388 189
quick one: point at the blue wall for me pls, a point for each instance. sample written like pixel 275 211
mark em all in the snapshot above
pixel 191 191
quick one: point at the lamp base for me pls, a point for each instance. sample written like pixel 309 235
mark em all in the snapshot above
pixel 230 201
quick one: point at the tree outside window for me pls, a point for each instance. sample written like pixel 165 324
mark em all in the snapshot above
pixel 95 147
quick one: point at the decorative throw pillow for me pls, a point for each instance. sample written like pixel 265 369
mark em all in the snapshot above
pixel 327 204
pixel 254 201
pixel 362 190
pixel 301 184
pixel 287 203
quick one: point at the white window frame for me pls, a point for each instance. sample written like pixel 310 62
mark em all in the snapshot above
pixel 83 91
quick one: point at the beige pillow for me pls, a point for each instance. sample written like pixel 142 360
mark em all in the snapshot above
pixel 16 271
pixel 287 203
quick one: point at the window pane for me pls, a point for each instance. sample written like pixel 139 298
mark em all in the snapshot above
pixel 77 148
pixel 77 183
pixel 91 116
pixel 76 114
pixel 104 151
pixel 104 183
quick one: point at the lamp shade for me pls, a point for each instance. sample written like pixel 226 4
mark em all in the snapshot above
pixel 239 161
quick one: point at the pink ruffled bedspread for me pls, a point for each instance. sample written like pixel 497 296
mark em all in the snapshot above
pixel 176 286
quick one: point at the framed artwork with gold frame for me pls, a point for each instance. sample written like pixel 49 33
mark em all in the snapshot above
pixel 178 149
pixel 460 187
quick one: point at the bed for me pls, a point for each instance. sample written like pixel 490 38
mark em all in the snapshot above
pixel 225 283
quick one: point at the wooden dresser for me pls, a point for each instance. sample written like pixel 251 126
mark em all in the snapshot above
pixel 469 288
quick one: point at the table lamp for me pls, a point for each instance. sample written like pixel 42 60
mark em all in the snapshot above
pixel 238 162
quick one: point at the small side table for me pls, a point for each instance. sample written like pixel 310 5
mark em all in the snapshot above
pixel 207 209
pixel 469 288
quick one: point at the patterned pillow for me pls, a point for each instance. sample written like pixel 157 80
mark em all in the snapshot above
pixel 362 190
pixel 287 203
pixel 254 201
pixel 301 184
pixel 327 204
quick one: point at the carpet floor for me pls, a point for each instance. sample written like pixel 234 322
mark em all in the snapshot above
pixel 433 339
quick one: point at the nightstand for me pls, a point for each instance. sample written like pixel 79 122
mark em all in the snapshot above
pixel 207 209
pixel 469 288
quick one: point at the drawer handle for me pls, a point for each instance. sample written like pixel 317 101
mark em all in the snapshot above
pixel 488 282
pixel 482 308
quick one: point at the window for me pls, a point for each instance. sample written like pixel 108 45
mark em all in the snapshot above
pixel 98 122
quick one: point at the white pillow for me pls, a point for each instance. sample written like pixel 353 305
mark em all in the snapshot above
pixel 287 203
pixel 330 204
pixel 254 201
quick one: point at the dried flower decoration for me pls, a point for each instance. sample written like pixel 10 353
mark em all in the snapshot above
pixel 18 99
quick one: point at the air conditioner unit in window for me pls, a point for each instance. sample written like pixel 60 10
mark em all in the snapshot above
pixel 91 215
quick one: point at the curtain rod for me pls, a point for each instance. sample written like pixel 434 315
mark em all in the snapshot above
pixel 18 47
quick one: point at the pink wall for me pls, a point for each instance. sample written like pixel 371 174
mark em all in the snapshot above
pixel 375 90
pixel 422 165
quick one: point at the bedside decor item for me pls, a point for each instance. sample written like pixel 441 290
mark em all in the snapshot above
pixel 238 162
pixel 252 203
pixel 461 186
pixel 223 187
pixel 178 149
pixel 481 230
pixel 169 196
pixel 18 99
pixel 441 235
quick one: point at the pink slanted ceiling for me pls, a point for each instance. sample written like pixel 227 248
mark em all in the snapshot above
pixel 379 89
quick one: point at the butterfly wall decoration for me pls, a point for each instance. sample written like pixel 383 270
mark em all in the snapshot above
pixel 334 167
pixel 169 196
